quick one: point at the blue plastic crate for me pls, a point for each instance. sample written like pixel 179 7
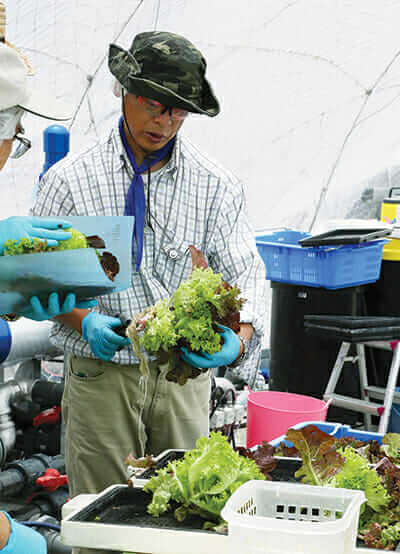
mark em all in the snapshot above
pixel 337 430
pixel 394 421
pixel 331 267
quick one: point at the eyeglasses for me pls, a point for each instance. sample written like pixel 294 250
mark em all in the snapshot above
pixel 21 145
pixel 155 109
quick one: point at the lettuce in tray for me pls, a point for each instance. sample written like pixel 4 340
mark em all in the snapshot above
pixel 345 464
pixel 202 481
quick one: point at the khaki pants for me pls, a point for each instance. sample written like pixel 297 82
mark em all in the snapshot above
pixel 110 411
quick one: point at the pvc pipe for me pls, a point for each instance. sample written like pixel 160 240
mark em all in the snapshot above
pixel 21 475
pixel 12 390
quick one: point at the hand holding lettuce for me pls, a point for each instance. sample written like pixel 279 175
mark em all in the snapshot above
pixel 184 331
pixel 31 228
pixel 73 264
pixel 229 351
pixel 97 330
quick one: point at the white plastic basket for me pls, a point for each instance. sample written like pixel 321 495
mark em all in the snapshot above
pixel 280 518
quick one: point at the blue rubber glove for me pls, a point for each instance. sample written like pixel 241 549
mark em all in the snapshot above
pixel 23 539
pixel 228 353
pixel 16 227
pixel 38 313
pixel 97 330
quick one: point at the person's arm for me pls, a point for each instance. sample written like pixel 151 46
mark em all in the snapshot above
pixel 232 251
pixel 246 331
pixel 73 319
pixel 98 330
pixel 4 530
pixel 17 538
pixel 17 227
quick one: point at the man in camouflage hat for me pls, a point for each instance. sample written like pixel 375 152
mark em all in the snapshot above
pixel 165 66
pixel 179 199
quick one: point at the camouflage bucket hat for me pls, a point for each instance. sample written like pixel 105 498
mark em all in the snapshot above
pixel 167 68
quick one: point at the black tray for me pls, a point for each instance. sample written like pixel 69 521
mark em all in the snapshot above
pixel 345 236
pixel 127 506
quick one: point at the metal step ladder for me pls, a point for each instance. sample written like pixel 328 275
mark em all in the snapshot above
pixel 375 332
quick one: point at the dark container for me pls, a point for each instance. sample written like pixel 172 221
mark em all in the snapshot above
pixel 302 363
pixel 383 299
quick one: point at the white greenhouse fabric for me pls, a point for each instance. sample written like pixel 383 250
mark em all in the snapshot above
pixel 309 92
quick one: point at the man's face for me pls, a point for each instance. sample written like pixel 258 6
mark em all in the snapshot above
pixel 150 132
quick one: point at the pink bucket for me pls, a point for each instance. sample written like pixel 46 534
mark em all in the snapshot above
pixel 270 414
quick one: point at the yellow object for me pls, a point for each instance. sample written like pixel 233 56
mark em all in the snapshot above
pixel 390 213
pixel 391 250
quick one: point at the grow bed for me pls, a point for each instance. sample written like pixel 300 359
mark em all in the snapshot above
pixel 117 519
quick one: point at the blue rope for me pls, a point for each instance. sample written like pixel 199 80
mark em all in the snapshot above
pixel 41 524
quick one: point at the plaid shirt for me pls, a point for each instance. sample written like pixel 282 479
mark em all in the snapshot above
pixel 190 200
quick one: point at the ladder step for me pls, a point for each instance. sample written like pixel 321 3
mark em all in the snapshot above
pixel 379 392
pixel 355 404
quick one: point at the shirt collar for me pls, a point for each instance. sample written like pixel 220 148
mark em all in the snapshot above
pixel 119 150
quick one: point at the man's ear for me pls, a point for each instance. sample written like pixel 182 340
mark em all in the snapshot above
pixel 117 89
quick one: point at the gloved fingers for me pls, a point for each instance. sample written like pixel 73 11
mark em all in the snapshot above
pixel 113 321
pixel 211 357
pixel 69 303
pixel 106 350
pixel 225 331
pixel 38 311
pixel 49 241
pixel 103 353
pixel 53 305
pixel 86 304
pixel 113 339
pixel 223 327
pixel 195 360
pixel 49 223
pixel 40 233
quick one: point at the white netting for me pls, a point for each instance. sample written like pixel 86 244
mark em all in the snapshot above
pixel 309 91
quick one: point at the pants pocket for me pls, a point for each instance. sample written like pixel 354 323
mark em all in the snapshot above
pixel 85 369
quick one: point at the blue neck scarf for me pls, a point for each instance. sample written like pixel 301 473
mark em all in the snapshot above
pixel 135 203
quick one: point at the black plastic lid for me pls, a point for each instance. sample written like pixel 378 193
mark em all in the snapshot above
pixel 345 236
pixel 391 200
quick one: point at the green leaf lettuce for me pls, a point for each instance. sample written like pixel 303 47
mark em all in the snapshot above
pixel 203 480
